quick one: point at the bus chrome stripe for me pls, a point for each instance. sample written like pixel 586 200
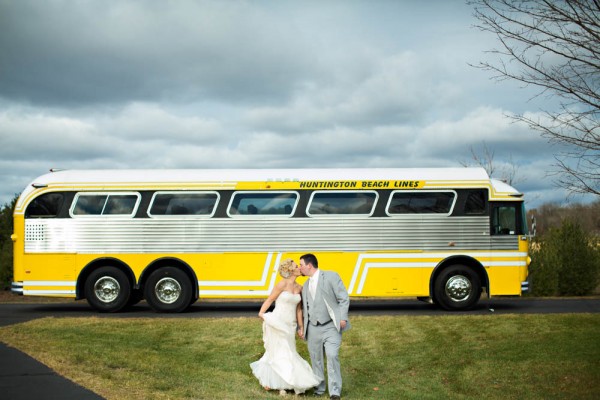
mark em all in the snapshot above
pixel 216 235
pixel 48 292
pixel 437 256
pixel 504 264
pixel 49 283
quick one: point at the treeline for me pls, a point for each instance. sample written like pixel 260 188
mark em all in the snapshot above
pixel 6 244
pixel 549 216
pixel 565 250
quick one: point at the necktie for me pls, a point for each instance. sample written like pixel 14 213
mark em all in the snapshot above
pixel 312 287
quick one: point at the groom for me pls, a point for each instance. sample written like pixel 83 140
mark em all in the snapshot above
pixel 325 305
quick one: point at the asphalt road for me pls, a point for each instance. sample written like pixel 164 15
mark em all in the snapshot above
pixel 21 312
pixel 22 377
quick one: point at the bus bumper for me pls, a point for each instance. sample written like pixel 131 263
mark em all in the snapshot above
pixel 525 287
pixel 16 287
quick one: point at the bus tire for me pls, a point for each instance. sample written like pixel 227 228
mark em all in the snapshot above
pixel 168 289
pixel 107 289
pixel 457 288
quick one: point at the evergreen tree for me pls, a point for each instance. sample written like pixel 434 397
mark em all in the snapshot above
pixel 566 262
pixel 6 244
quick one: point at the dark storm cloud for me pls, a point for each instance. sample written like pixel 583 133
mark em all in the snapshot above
pixel 86 52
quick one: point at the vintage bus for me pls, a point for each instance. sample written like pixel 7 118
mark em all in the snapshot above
pixel 115 237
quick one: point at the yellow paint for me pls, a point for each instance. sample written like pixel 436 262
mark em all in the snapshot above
pixel 367 274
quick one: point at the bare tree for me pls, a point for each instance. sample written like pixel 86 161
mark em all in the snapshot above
pixel 507 172
pixel 485 160
pixel 553 45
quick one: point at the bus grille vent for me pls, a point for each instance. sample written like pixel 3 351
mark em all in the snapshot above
pixel 35 232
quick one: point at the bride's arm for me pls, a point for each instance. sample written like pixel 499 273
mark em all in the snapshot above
pixel 272 297
pixel 300 320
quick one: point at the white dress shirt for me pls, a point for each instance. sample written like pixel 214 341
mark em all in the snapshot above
pixel 312 284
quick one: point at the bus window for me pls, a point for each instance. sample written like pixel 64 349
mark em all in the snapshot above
pixel 261 203
pixel 183 203
pixel 115 204
pixel 46 206
pixel 504 220
pixel 349 203
pixel 120 205
pixel 421 203
pixel 475 204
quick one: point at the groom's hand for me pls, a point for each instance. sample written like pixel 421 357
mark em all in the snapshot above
pixel 343 324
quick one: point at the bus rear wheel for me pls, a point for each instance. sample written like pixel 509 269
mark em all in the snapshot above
pixel 168 289
pixel 107 289
pixel 457 288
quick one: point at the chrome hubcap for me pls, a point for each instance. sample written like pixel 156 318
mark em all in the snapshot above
pixel 167 290
pixel 107 289
pixel 458 288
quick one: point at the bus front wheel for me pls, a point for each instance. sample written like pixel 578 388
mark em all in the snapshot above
pixel 107 289
pixel 457 288
pixel 168 289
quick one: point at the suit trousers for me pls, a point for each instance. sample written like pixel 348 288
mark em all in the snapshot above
pixel 325 339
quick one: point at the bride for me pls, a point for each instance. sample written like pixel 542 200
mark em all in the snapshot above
pixel 281 367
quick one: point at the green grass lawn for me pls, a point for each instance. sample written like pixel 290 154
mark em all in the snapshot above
pixel 385 357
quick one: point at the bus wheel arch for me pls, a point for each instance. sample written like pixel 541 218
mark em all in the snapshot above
pixel 107 284
pixel 169 285
pixel 457 283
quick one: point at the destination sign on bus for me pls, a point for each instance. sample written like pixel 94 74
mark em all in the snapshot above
pixel 333 185
pixel 359 184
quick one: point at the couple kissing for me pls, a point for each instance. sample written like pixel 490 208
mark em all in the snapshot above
pixel 318 313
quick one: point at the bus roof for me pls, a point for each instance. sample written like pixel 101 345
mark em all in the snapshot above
pixel 66 177
pixel 93 179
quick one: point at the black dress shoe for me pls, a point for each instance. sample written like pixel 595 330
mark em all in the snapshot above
pixel 335 397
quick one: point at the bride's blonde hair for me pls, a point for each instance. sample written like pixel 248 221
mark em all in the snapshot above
pixel 286 267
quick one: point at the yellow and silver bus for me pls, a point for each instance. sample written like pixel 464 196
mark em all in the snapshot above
pixel 115 237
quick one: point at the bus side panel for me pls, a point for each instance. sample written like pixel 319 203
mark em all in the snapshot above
pixel 18 248
pixel 504 280
pixel 508 267
pixel 49 275
pixel 396 282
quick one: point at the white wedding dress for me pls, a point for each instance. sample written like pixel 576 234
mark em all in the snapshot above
pixel 281 367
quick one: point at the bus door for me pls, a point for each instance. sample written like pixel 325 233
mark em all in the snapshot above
pixel 509 247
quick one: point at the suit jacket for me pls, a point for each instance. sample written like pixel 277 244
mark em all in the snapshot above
pixel 335 299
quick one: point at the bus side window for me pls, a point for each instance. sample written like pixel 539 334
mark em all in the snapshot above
pixel 89 204
pixel 504 220
pixel 120 205
pixel 421 202
pixel 338 203
pixel 45 206
pixel 475 204
pixel 183 203
pixel 261 203
pixel 115 204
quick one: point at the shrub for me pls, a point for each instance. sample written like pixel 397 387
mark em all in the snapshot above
pixel 6 245
pixel 566 262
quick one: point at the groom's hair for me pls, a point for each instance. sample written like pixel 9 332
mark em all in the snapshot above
pixel 310 259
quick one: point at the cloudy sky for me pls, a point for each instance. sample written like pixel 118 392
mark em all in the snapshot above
pixel 256 84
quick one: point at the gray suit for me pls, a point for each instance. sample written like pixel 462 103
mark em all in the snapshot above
pixel 322 317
